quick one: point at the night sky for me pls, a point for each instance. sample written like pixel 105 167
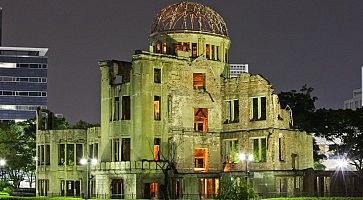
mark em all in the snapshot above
pixel 290 42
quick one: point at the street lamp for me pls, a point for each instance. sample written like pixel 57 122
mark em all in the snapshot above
pixel 88 162
pixel 342 164
pixel 2 165
pixel 246 158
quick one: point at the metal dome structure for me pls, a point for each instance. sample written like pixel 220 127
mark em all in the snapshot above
pixel 189 16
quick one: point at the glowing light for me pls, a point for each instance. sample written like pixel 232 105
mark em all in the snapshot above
pixel 342 163
pixel 83 161
pixel 94 161
pixel 250 157
pixel 2 162
pixel 242 157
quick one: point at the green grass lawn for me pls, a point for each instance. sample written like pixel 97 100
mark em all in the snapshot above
pixel 318 198
pixel 8 197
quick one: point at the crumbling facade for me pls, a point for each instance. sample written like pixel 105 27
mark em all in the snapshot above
pixel 173 121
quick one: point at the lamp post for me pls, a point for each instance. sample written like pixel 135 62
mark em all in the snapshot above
pixel 246 158
pixel 88 162
pixel 2 165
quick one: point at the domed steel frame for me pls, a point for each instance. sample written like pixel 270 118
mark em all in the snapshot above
pixel 189 16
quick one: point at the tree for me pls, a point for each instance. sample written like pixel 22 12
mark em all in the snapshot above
pixel 347 127
pixel 344 125
pixel 302 104
pixel 233 187
pixel 83 125
pixel 17 146
pixel 60 123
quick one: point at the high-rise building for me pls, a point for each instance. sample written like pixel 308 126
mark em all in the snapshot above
pixel 356 101
pixel 236 69
pixel 23 82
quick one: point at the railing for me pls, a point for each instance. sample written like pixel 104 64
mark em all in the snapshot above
pixel 130 165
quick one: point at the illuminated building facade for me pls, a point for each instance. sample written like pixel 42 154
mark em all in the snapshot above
pixel 23 82
pixel 173 118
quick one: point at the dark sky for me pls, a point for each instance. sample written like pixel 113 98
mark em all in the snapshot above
pixel 290 42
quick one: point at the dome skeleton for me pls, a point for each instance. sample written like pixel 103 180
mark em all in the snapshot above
pixel 189 16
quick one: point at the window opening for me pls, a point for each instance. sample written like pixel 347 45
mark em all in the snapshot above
pixel 95 153
pixel 126 108
pixel 231 151
pixel 116 149
pixel 232 111
pixel 151 190
pixel 90 151
pixel 47 154
pixel 194 50
pixel 156 149
pixel 201 159
pixel 200 119
pixel 259 150
pixel 61 154
pixel 125 156
pixel 258 108
pixel 157 75
pixel 199 81
pixel 158 47
pixel 79 153
pixel 117 190
pixel 116 112
pixel 43 187
pixel 70 154
pixel 212 51
pixel 208 187
pixel 207 51
pixel 157 108
pixel 164 48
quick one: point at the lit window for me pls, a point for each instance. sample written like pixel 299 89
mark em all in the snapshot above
pixel 201 159
pixel 194 50
pixel 208 187
pixel 199 81
pixel 157 48
pixel 151 190
pixel 259 149
pixel 157 108
pixel 207 51
pixel 201 119
pixel 186 46
pixel 164 48
pixel 258 108
pixel 156 149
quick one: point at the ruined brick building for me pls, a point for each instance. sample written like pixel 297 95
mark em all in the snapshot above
pixel 173 110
